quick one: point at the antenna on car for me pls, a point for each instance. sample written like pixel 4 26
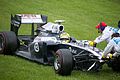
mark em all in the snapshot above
pixel 59 21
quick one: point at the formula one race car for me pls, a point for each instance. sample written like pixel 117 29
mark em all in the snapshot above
pixel 45 46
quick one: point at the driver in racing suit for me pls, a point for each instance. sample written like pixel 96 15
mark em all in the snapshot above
pixel 114 44
pixel 106 32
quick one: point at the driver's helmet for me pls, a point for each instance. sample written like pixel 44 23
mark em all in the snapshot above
pixel 65 37
pixel 101 26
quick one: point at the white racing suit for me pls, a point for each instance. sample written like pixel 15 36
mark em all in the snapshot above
pixel 106 34
pixel 114 44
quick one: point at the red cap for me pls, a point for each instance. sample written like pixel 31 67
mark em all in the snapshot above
pixel 103 24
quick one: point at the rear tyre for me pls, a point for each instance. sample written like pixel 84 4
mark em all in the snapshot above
pixel 63 62
pixel 8 42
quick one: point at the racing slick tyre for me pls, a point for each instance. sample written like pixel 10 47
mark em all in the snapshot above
pixel 8 42
pixel 115 64
pixel 63 62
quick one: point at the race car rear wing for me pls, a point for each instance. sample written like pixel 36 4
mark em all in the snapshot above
pixel 32 18
pixel 18 19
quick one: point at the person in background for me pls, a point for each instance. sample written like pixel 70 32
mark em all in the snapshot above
pixel 113 45
pixel 106 32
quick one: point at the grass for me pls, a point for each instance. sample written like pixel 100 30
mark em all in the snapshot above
pixel 13 68
pixel 81 17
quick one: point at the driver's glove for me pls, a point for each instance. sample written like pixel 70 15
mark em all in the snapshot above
pixel 109 56
pixel 92 43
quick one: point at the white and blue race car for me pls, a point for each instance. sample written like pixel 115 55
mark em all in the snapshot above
pixel 44 45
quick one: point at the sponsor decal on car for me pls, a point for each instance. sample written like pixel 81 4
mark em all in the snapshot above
pixel 36 47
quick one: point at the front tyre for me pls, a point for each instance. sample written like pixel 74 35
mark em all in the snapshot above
pixel 115 64
pixel 63 62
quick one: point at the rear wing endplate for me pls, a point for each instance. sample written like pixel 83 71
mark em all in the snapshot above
pixel 18 19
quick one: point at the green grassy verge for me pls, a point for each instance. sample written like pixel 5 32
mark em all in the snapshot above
pixel 81 17
pixel 15 68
